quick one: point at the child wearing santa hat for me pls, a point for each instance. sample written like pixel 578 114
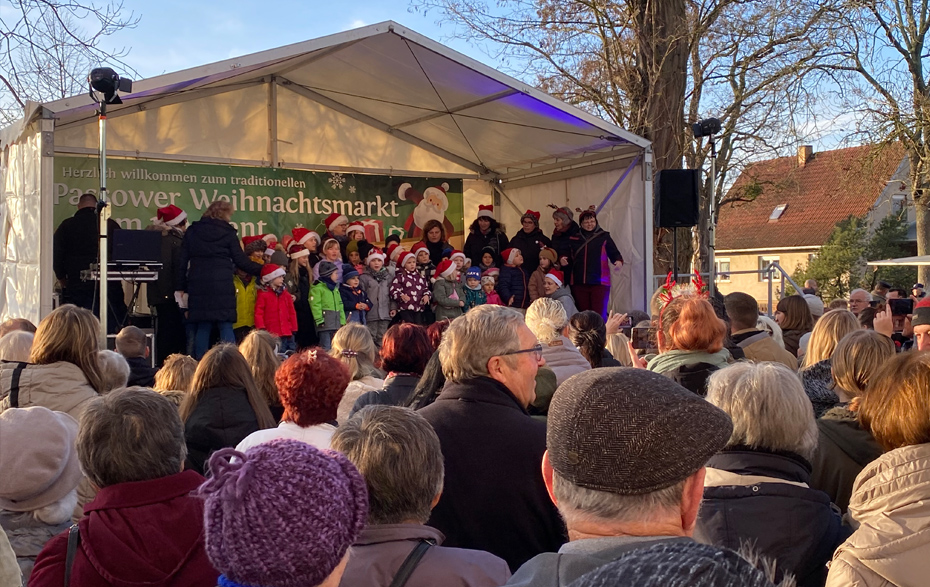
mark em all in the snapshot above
pixel 298 280
pixel 375 281
pixel 424 265
pixel 556 289
pixel 513 283
pixel 274 307
pixel 448 292
pixel 336 228
pixel 547 260
pixel 410 291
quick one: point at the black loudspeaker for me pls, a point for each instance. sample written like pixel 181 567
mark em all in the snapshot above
pixel 676 200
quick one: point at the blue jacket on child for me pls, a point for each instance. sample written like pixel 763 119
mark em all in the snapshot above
pixel 514 281
pixel 352 296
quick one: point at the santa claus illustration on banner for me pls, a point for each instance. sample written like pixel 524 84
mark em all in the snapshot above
pixel 432 204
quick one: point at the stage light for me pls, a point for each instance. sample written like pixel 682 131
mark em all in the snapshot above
pixel 705 128
pixel 104 80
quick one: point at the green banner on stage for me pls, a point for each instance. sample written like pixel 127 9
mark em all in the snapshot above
pixel 266 200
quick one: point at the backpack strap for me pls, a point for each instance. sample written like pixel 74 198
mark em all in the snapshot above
pixel 411 562
pixel 74 540
pixel 14 384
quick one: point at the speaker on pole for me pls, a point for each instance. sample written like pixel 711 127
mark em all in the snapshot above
pixel 676 198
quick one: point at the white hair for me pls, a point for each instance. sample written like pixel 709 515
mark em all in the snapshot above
pixel 16 346
pixel 471 340
pixel 767 324
pixel 768 406
pixel 579 504
pixel 546 318
pixel 857 290
pixel 113 369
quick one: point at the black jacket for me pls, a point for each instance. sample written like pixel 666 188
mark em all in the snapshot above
pixel 494 497
pixel 162 290
pixel 588 252
pixel 395 392
pixel 476 241
pixel 205 270
pixel 562 245
pixel 693 377
pixel 530 245
pixel 221 419
pixel 843 451
pixel 76 245
pixel 795 526
pixel 140 372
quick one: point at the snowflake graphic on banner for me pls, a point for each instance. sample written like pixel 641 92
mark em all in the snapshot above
pixel 337 181
pixel 351 189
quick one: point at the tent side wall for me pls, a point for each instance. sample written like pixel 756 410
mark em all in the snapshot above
pixel 26 276
pixel 627 215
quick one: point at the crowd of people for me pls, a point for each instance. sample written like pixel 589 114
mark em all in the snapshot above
pixel 491 447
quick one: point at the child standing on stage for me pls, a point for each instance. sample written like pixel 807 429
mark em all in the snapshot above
pixel 274 307
pixel 354 301
pixel 424 266
pixel 547 259
pixel 513 283
pixel 326 304
pixel 487 286
pixel 474 296
pixel 448 292
pixel 298 281
pixel 376 283
pixel 409 290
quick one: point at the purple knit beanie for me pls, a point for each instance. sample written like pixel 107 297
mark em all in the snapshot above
pixel 281 515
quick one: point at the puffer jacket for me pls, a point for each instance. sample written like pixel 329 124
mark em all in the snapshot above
pixel 274 312
pixel 27 537
pixel 60 387
pixel 514 283
pixel 411 284
pixel 564 296
pixel 221 419
pixel 591 252
pixel 246 294
pixel 530 244
pixel 537 284
pixel 564 359
pixel 378 291
pixel 890 507
pixel 326 305
pixel 447 305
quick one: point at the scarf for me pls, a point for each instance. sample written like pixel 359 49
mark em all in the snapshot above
pixel 379 275
pixel 671 360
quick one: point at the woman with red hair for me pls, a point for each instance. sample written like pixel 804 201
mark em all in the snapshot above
pixel 404 353
pixel 690 338
pixel 311 384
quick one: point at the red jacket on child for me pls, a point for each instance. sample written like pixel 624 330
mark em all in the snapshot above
pixel 274 312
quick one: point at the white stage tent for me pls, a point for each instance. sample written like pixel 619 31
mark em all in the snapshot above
pixel 902 261
pixel 380 100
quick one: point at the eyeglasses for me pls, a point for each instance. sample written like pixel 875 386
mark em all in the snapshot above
pixel 536 349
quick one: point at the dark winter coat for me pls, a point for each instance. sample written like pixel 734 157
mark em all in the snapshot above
pixel 378 292
pixel 76 245
pixel 395 392
pixel 275 312
pixel 494 497
pixel 476 241
pixel 843 451
pixel 438 251
pixel 141 372
pixel 162 290
pixel 208 255
pixel 146 533
pixel 530 245
pixel 756 497
pixel 591 253
pixel 818 385
pixel 352 296
pixel 221 419
pixel 792 340
pixel 561 242
pixel 514 281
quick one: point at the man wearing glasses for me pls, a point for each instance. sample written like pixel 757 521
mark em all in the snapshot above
pixel 859 300
pixel 494 497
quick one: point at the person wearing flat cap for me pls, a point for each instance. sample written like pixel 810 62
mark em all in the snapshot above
pixel 624 465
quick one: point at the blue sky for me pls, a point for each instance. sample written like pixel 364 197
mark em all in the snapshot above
pixel 174 34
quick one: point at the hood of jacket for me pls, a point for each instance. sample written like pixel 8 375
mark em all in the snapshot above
pixel 841 426
pixel 211 229
pixel 144 533
pixel 890 506
pixel 562 292
pixel 671 360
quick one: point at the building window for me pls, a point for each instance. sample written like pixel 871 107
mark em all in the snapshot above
pixel 722 268
pixel 898 203
pixel 764 262
pixel 777 212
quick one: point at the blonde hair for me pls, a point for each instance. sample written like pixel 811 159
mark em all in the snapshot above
pixel 768 406
pixel 69 334
pixel 827 333
pixel 857 358
pixel 896 407
pixel 258 348
pixel 354 347
pixel 224 366
pixel 220 209
pixel 618 345
pixel 546 318
pixel 114 369
pixel 176 374
pixel 16 346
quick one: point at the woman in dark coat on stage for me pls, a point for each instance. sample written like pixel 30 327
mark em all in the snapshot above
pixel 485 231
pixel 565 228
pixel 592 250
pixel 530 240
pixel 208 254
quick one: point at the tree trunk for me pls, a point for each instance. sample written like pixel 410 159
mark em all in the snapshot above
pixel 922 212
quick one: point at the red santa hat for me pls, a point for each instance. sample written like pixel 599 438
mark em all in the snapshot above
pixel 446 269
pixel 335 219
pixel 270 271
pixel 270 238
pixel 492 272
pixel 246 240
pixel 394 251
pixel 534 216
pixel 297 251
pixel 458 254
pixel 302 235
pixel 357 225
pixel 486 211
pixel 171 215
pixel 286 241
pixel 403 258
pixel 419 246
pixel 509 255
pixel 556 276
pixel 375 253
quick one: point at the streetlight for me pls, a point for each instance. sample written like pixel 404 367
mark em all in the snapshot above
pixel 105 85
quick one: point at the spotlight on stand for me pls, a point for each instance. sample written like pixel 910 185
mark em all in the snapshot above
pixel 705 128
pixel 104 80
